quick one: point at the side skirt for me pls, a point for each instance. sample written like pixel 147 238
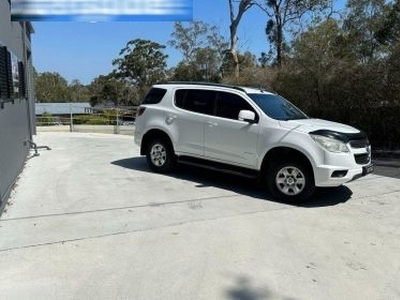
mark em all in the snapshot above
pixel 220 167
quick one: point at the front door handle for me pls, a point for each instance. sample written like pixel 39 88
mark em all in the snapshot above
pixel 212 124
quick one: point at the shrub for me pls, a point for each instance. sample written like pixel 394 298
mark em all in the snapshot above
pixel 46 120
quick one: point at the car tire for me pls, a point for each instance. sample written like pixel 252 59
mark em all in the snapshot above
pixel 290 181
pixel 160 155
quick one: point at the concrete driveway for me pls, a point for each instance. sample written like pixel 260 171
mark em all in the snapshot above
pixel 88 220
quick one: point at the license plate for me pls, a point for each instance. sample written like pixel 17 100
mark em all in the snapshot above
pixel 368 169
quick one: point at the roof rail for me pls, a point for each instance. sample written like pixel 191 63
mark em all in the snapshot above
pixel 205 83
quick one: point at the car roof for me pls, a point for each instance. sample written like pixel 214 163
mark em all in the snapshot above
pixel 247 90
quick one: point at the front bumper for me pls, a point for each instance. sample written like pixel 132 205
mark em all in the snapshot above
pixel 339 168
pixel 329 176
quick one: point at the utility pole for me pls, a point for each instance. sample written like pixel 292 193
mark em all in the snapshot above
pixel 71 120
pixel 117 117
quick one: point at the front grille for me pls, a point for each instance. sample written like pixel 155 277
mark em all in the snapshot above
pixel 364 143
pixel 362 159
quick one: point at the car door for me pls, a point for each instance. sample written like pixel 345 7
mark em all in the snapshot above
pixel 192 107
pixel 227 139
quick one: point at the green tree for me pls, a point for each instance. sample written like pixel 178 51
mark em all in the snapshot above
pixel 389 37
pixel 320 55
pixel 228 69
pixel 208 63
pixel 96 89
pixel 235 19
pixel 282 16
pixel 109 90
pixel 393 75
pixel 204 67
pixel 51 87
pixel 389 32
pixel 184 72
pixel 189 39
pixel 104 91
pixel 78 91
pixel 362 25
pixel 202 48
pixel 142 63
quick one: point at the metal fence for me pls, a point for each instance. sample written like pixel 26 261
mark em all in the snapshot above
pixel 89 118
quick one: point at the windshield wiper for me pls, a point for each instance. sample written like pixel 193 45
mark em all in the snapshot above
pixel 293 118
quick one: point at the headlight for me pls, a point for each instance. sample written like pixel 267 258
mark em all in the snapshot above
pixel 330 144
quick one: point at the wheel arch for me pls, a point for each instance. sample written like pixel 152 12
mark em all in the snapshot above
pixel 279 153
pixel 280 157
pixel 150 135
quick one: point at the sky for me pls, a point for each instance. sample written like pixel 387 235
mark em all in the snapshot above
pixel 84 50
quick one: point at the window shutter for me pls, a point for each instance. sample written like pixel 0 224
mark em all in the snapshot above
pixel 9 77
pixel 3 73
pixel 22 80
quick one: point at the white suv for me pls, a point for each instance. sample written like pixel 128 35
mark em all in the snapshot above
pixel 251 132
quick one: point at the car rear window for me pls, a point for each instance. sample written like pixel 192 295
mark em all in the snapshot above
pixel 154 96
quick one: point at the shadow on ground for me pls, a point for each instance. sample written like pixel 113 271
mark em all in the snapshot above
pixel 245 289
pixel 388 167
pixel 244 186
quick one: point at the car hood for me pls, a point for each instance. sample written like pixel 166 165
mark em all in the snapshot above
pixel 310 125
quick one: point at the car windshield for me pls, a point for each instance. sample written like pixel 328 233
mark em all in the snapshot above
pixel 277 107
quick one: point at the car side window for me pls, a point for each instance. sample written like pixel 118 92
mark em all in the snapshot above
pixel 154 96
pixel 229 105
pixel 200 101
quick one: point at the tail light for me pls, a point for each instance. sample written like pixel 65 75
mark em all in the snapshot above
pixel 140 111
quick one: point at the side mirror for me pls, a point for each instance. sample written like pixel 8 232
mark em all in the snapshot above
pixel 247 116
